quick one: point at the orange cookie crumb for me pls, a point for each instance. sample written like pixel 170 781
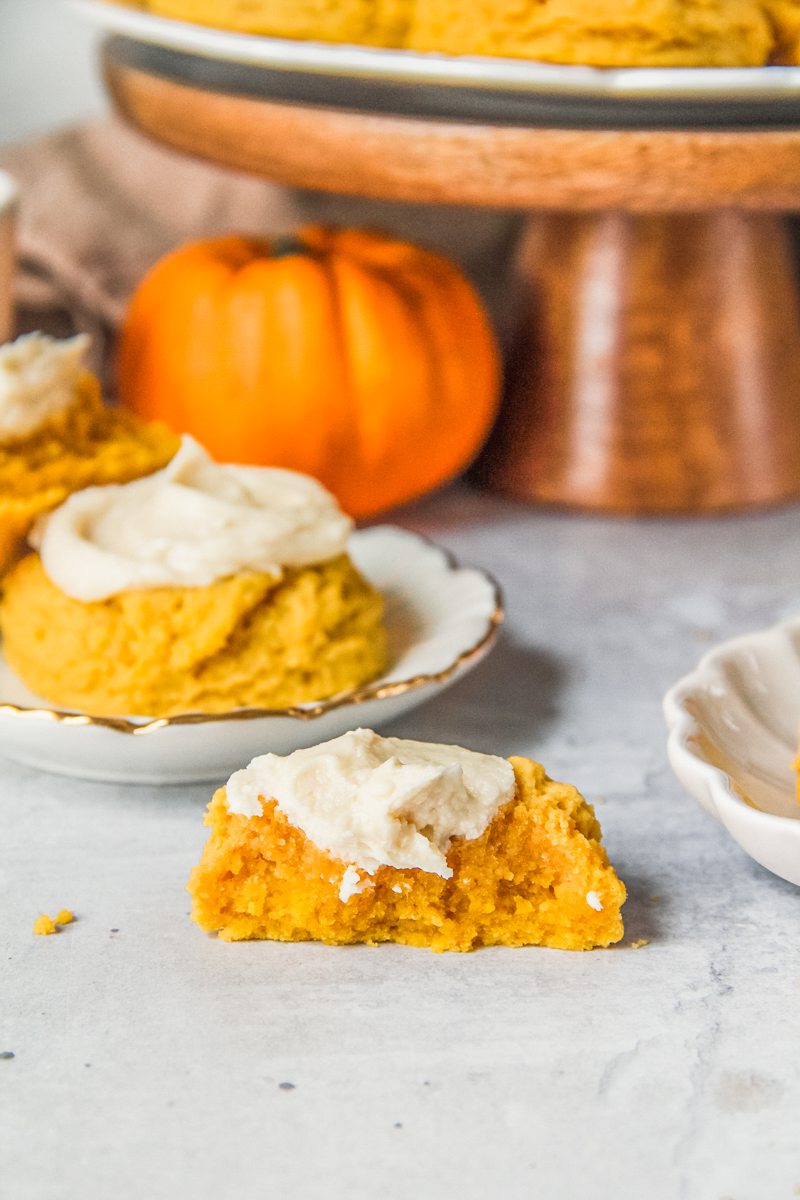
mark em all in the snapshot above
pixel 44 925
pixel 65 917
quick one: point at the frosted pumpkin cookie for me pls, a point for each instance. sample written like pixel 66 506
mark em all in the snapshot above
pixel 57 436
pixel 201 588
pixel 371 839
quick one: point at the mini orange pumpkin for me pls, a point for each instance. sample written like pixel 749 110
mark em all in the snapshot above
pixel 362 360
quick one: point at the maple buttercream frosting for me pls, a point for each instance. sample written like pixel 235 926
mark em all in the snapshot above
pixel 39 377
pixel 192 523
pixel 373 801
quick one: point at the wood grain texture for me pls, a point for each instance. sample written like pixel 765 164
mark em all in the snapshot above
pixel 452 162
pixel 657 369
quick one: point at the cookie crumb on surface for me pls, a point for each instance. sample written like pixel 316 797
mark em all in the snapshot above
pixel 639 943
pixel 44 925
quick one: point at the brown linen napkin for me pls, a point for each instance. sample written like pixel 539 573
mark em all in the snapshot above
pixel 100 204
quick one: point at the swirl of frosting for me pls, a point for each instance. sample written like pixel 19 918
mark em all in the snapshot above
pixel 188 525
pixel 39 377
pixel 371 801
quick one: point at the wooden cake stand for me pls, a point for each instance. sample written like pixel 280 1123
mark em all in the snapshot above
pixel 657 367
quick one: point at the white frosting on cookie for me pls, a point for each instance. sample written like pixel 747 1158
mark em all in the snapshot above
pixel 188 525
pixel 371 801
pixel 39 377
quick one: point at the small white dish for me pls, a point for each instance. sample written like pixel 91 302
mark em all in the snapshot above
pixel 442 619
pixel 733 736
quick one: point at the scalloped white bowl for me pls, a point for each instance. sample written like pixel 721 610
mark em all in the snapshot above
pixel 441 618
pixel 733 726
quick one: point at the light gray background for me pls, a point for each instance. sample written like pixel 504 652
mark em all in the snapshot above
pixel 47 71
pixel 150 1058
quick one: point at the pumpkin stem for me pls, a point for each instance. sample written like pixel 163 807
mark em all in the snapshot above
pixel 287 246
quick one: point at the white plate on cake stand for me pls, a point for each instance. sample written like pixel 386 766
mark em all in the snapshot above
pixel 733 737
pixel 442 619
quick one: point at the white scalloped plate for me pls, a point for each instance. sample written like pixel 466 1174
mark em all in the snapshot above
pixel 733 736
pixel 442 619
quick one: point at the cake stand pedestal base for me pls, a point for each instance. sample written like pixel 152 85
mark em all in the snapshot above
pixel 658 365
